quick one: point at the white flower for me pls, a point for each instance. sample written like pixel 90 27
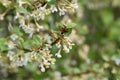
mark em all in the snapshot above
pixel 67 44
pixel 53 9
pixel 42 17
pixel 30 35
pixel 47 11
pixel 26 59
pixel 66 49
pixel 42 9
pixel 62 11
pixel 42 68
pixel 14 37
pixel 72 7
pixel 20 60
pixel 45 60
pixel 17 16
pixel 58 53
pixel 117 61
pixel 10 27
pixel 10 55
pixel 27 16
pixel 5 2
pixel 21 22
pixel 58 45
pixel 11 45
pixel 39 27
pixel 48 0
pixel 1 17
pixel 75 5
pixel 28 29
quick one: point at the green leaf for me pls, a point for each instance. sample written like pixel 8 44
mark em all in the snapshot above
pixel 20 42
pixel 107 17
pixel 31 67
pixel 96 67
pixel 17 31
pixel 52 2
pixel 54 49
pixel 2 7
pixel 22 10
pixel 2 40
pixel 28 44
pixel 37 40
pixel 69 32
pixel 3 46
pixel 84 67
pixel 105 57
pixel 114 33
pixel 71 25
pixel 76 70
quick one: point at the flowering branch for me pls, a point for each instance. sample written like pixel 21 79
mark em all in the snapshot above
pixel 31 40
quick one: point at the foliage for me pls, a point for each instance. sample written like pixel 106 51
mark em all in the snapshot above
pixel 35 34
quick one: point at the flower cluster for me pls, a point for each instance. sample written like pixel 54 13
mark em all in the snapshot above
pixel 30 41
pixel 64 43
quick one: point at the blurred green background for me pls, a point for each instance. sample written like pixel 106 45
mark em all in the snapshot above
pixel 96 54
